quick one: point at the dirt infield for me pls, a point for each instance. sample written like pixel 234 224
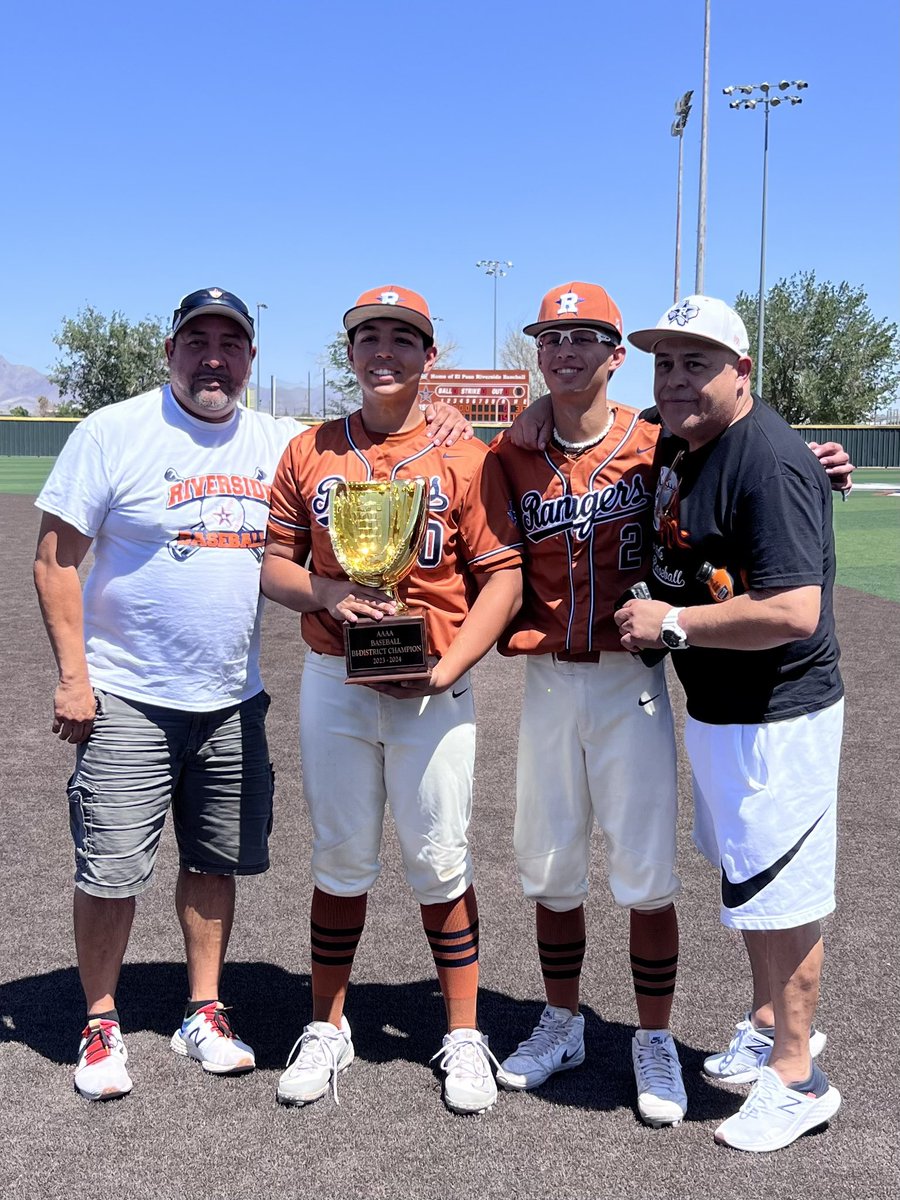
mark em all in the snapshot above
pixel 182 1133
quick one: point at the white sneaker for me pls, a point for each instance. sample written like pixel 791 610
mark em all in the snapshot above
pixel 748 1051
pixel 100 1073
pixel 207 1036
pixel 774 1115
pixel 469 1085
pixel 557 1044
pixel 322 1052
pixel 661 1096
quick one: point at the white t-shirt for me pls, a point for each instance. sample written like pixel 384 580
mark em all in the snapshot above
pixel 177 508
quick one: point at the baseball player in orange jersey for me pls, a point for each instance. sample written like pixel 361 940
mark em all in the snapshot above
pixel 410 744
pixel 590 711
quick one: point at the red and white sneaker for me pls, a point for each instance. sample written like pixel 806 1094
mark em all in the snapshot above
pixel 208 1037
pixel 101 1073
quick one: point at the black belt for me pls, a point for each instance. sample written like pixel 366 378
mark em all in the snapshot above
pixel 589 656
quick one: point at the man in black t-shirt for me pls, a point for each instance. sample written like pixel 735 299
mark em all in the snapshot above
pixel 742 576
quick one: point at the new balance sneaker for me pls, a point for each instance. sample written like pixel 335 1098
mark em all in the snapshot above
pixel 465 1059
pixel 208 1037
pixel 557 1044
pixel 748 1051
pixel 100 1073
pixel 774 1115
pixel 322 1051
pixel 661 1096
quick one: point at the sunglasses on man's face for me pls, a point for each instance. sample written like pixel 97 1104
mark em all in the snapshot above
pixel 551 339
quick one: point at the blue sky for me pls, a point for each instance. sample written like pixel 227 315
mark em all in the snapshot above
pixel 299 153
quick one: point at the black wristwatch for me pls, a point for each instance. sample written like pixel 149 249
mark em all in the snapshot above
pixel 671 633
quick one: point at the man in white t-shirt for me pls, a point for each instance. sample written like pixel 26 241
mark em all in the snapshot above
pixel 159 684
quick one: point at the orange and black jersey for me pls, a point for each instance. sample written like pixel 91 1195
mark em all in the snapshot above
pixel 471 528
pixel 587 529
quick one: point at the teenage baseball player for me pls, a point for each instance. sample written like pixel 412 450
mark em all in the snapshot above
pixel 410 744
pixel 590 711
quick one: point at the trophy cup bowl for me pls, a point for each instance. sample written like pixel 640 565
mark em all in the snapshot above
pixel 377 529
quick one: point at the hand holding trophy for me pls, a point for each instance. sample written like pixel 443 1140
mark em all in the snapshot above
pixel 376 531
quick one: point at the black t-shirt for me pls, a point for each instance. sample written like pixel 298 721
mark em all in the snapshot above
pixel 757 503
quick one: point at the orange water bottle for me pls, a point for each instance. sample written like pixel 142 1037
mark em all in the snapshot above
pixel 718 580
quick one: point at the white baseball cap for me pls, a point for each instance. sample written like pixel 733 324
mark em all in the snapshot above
pixel 702 317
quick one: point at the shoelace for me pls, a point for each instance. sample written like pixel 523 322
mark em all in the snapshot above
pixel 468 1056
pixel 745 1032
pixel 656 1066
pixel 219 1020
pixel 100 1043
pixel 548 1035
pixel 317 1050
pixel 763 1094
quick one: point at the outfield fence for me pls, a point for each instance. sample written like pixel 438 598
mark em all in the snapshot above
pixel 867 445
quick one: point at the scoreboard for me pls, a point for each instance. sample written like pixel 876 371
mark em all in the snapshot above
pixel 496 396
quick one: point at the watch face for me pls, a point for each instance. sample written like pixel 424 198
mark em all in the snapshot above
pixel 675 641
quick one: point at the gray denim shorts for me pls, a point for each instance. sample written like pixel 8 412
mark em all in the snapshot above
pixel 211 768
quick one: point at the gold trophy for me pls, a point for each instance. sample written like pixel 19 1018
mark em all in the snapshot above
pixel 377 529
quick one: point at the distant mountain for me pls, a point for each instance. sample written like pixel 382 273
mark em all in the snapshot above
pixel 23 385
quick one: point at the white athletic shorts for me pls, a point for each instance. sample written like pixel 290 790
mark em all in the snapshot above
pixel 360 749
pixel 596 743
pixel 765 809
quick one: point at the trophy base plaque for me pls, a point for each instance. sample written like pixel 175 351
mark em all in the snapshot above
pixel 386 651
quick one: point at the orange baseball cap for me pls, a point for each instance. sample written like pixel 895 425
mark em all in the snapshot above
pixel 586 304
pixel 393 302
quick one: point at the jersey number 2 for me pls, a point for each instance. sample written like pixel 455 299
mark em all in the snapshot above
pixel 631 543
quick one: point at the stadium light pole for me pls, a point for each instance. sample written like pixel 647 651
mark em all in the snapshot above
pixel 704 141
pixel 682 111
pixel 258 393
pixel 498 269
pixel 746 99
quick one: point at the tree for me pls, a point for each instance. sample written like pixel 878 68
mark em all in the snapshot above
pixel 44 407
pixel 827 359
pixel 341 377
pixel 19 410
pixel 519 353
pixel 66 408
pixel 108 358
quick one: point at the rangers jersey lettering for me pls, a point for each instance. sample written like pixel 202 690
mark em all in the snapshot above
pixel 471 527
pixel 587 524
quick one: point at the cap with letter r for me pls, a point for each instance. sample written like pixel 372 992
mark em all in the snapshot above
pixel 701 317
pixel 212 302
pixel 585 304
pixel 393 302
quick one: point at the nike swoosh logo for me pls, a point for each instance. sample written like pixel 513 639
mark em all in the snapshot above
pixel 566 1056
pixel 452 456
pixel 649 699
pixel 736 894
pixel 456 695
pixel 643 449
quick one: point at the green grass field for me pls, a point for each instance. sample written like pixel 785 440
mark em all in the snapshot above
pixel 23 476
pixel 867 527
